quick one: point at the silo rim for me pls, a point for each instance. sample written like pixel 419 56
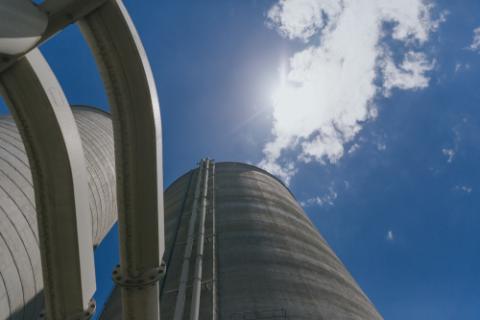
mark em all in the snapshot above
pixel 241 164
pixel 91 108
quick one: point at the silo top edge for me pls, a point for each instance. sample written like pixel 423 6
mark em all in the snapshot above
pixel 251 166
pixel 91 108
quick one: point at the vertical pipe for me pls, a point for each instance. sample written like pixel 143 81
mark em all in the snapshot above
pixel 180 303
pixel 197 276
pixel 214 250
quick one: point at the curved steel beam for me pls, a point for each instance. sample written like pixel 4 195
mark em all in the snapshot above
pixel 55 153
pixel 136 121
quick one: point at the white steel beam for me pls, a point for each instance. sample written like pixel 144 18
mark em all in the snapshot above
pixel 55 153
pixel 138 147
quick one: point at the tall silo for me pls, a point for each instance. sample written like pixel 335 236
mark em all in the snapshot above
pixel 239 246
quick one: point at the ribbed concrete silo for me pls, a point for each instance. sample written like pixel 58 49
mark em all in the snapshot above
pixel 239 246
pixel 20 266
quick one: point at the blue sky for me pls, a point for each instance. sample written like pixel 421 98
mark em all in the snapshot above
pixel 392 184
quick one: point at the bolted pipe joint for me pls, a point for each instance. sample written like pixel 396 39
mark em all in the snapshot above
pixel 145 279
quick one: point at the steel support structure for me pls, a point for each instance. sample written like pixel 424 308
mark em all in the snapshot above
pixel 135 110
pixel 55 153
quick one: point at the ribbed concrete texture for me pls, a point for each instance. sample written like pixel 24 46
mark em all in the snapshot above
pixel 262 257
pixel 20 265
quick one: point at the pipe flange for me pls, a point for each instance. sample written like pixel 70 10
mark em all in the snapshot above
pixel 146 279
pixel 84 315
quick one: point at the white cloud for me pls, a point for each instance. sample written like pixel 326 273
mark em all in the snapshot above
pixel 449 153
pixel 285 172
pixel 381 146
pixel 466 189
pixel 353 148
pixel 328 91
pixel 302 18
pixel 390 235
pixel 475 45
pixel 326 199
pixel 458 67
pixel 461 67
pixel 410 74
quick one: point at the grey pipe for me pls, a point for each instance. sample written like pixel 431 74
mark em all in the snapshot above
pixel 197 276
pixel 180 303
pixel 214 249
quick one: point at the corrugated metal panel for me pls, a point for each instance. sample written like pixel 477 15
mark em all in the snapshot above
pixel 20 266
pixel 97 138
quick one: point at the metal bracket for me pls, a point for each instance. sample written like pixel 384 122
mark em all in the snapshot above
pixel 146 279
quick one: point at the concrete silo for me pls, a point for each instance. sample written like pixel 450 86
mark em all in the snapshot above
pixel 239 246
